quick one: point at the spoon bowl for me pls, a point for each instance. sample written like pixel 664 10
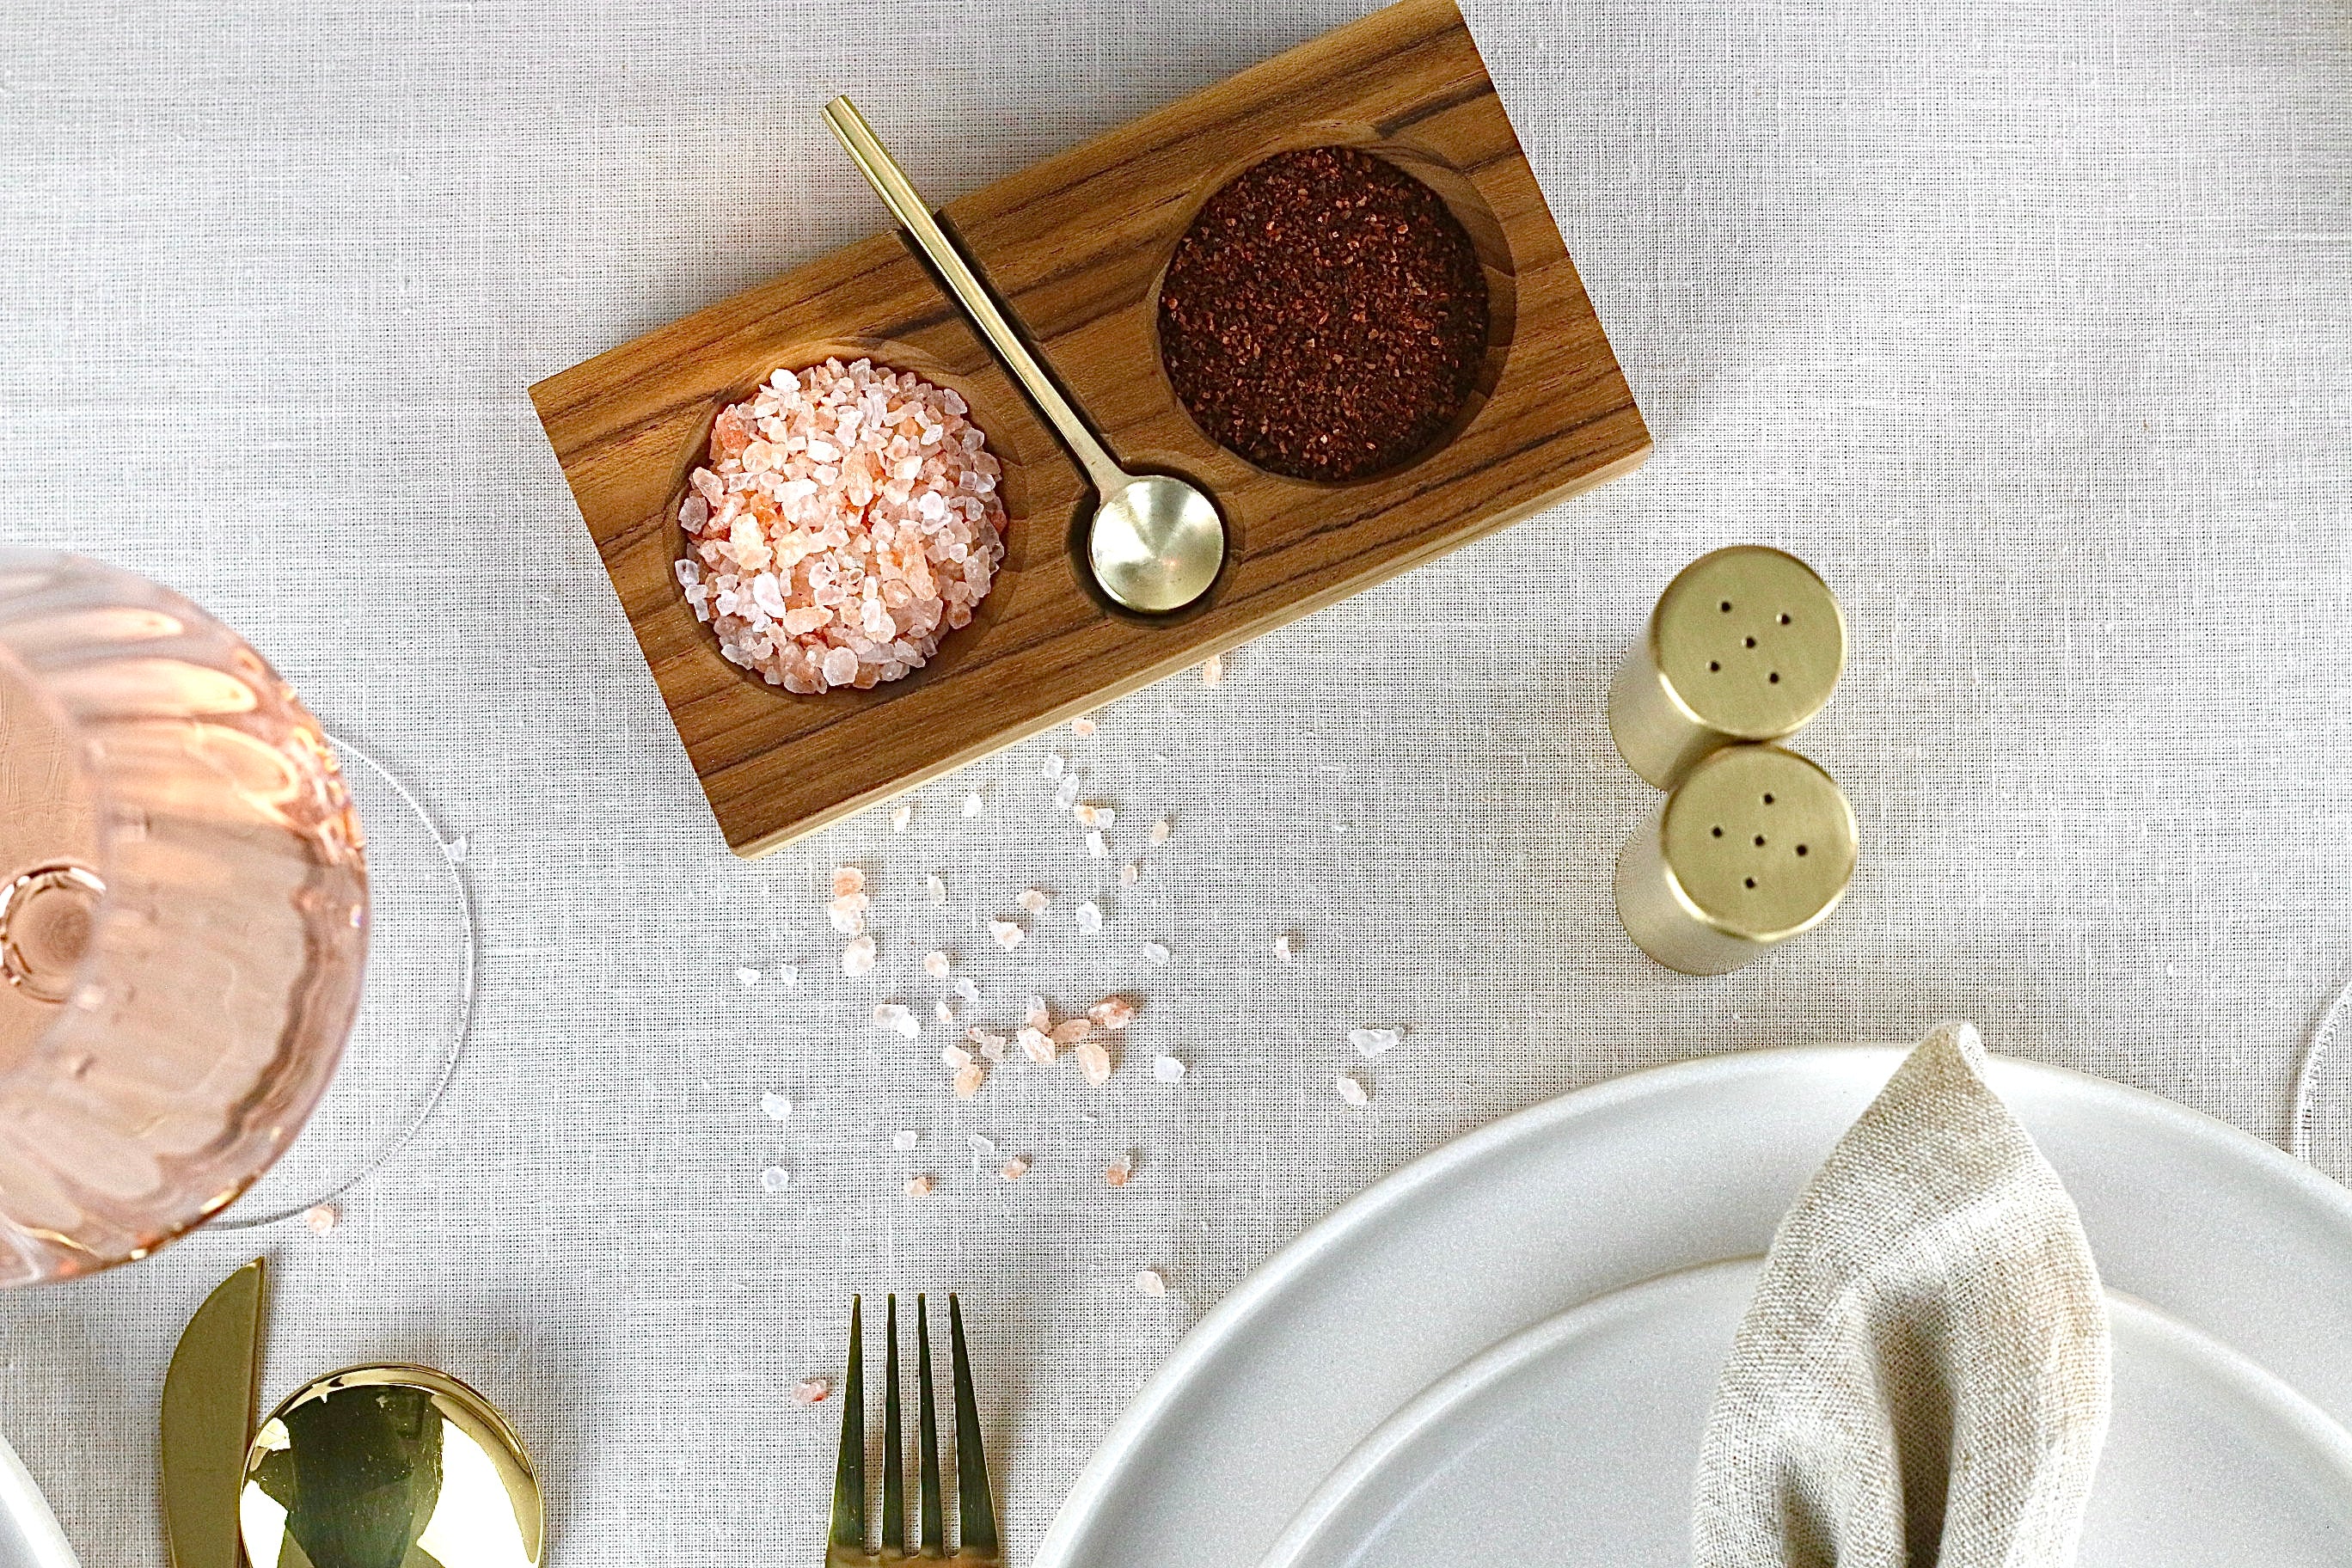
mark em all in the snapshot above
pixel 1157 543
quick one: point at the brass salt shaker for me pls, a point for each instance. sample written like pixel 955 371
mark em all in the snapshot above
pixel 1754 847
pixel 1745 645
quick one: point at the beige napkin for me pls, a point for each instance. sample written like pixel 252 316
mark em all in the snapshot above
pixel 1921 1381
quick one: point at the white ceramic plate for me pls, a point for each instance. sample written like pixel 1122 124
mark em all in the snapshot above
pixel 1573 1443
pixel 1642 1176
pixel 29 1536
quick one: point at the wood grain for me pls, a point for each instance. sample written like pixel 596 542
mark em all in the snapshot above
pixel 1075 246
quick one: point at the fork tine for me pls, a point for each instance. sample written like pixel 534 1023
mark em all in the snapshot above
pixel 849 1470
pixel 976 1508
pixel 927 1434
pixel 894 1452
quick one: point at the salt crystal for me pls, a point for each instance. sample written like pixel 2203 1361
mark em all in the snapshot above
pixel 1089 917
pixel 1168 1070
pixel 968 988
pixel 1351 1090
pixel 1213 671
pixel 811 1391
pixel 1130 874
pixel 1081 727
pixel 322 1218
pixel 1372 1042
pixel 900 817
pixel 891 1015
pixel 1035 1012
pixel 1150 1282
pixel 1016 1167
pixel 993 1047
pixel 844 917
pixel 955 1058
pixel 857 958
pixel 1066 793
pixel 1090 814
pixel 1161 829
pixel 1120 1172
pixel 789 974
pixel 967 1080
pixel 920 1186
pixel 1282 948
pixel 1008 935
pixel 942 1011
pixel 775 1179
pixel 776 1105
pixel 846 880
pixel 1154 954
pixel 746 978
pixel 1037 1043
pixel 1113 1013
pixel 982 1150
pixel 972 804
pixel 1034 900
pixel 936 889
pixel 1094 1062
pixel 1096 846
pixel 935 965
pixel 904 1138
pixel 1054 765
pixel 1070 1031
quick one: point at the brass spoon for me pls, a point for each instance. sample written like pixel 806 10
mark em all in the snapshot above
pixel 1156 542
pixel 378 1464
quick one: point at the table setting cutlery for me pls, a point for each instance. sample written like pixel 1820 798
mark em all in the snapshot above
pixel 849 1540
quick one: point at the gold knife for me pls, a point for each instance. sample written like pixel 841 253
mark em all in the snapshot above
pixel 208 1398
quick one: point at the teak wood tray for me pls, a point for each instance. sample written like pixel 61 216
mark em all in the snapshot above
pixel 1075 246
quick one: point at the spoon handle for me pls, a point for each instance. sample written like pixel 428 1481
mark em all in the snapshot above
pixel 906 205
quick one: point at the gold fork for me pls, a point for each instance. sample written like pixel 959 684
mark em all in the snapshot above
pixel 976 1510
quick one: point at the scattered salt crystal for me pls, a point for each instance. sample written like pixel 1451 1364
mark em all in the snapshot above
pixel 777 1106
pixel 891 1015
pixel 1037 1043
pixel 899 818
pixel 1351 1090
pixel 1153 953
pixel 1130 874
pixel 967 1080
pixel 1213 671
pixel 1081 727
pixel 920 1186
pixel 775 1179
pixel 942 1011
pixel 1094 1062
pixel 322 1218
pixel 935 965
pixel 955 1058
pixel 1070 1031
pixel 1161 829
pixel 1089 917
pixel 982 1148
pixel 1034 900
pixel 1282 948
pixel 1120 1172
pixel 1008 935
pixel 968 988
pixel 1372 1042
pixel 935 889
pixel 846 880
pixel 993 1047
pixel 1066 793
pixel 1166 1069
pixel 904 1138
pixel 1150 1282
pixel 1035 1011
pixel 1055 765
pixel 857 958
pixel 844 917
pixel 1096 846
pixel 1113 1013
pixel 811 1391
pixel 1016 1167
pixel 789 974
pixel 746 978
pixel 972 804
pixel 1092 816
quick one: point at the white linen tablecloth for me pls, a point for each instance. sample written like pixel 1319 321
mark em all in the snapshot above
pixel 2026 323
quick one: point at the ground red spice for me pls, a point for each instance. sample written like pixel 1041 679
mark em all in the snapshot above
pixel 1324 316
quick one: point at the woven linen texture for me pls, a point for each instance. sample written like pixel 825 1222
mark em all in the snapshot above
pixel 2025 323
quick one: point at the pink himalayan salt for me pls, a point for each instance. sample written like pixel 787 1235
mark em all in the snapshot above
pixel 920 1186
pixel 1016 1167
pixel 1113 1013
pixel 1094 1062
pixel 1120 1172
pixel 1037 1045
pixel 967 1080
pixel 847 879
pixel 811 1391
pixel 849 518
pixel 1070 1031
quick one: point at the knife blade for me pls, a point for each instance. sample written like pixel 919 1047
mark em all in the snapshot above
pixel 208 1398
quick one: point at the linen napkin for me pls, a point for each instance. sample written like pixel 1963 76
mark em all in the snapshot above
pixel 1921 1378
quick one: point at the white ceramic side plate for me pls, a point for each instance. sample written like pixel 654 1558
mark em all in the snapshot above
pixel 29 1536
pixel 1638 1177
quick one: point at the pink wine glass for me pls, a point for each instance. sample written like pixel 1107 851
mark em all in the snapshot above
pixel 184 914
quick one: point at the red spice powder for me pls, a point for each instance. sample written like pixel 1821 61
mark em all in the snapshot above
pixel 1324 316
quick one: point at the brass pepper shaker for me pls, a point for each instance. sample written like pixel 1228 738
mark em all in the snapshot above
pixel 1745 645
pixel 1755 846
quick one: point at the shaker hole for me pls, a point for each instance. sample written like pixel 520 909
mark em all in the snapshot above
pixel 1749 642
pixel 1759 841
pixel 1714 667
pixel 1751 881
pixel 1774 677
pixel 1784 617
pixel 1724 607
pixel 1767 800
pixel 1718 833
pixel 1800 849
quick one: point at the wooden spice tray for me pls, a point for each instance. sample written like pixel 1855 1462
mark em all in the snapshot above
pixel 1075 246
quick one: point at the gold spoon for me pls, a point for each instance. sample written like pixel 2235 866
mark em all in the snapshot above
pixel 1156 542
pixel 389 1464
